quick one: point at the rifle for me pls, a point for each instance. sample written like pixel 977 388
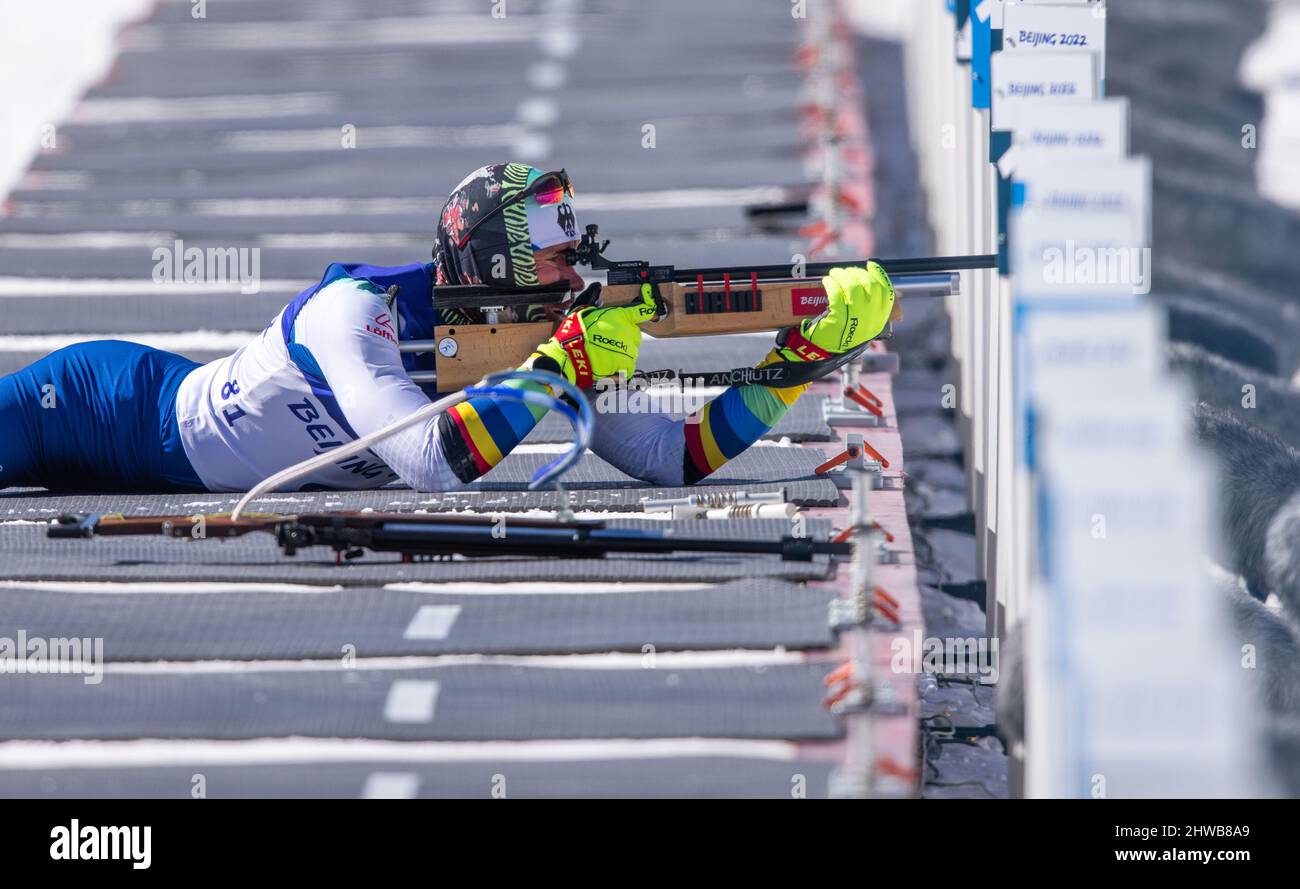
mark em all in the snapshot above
pixel 422 537
pixel 693 302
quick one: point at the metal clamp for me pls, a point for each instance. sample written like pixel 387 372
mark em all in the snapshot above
pixel 885 555
pixel 857 456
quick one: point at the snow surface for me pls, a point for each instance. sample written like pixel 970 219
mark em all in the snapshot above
pixel 50 53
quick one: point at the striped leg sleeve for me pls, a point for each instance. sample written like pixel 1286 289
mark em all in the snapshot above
pixel 477 434
pixel 730 423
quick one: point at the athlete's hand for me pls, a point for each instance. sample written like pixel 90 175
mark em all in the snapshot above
pixel 597 342
pixel 859 303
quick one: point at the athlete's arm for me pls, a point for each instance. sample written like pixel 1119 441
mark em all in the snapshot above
pixel 590 344
pixel 667 451
pixel 349 332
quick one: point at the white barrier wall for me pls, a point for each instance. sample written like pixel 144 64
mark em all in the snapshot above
pixel 1091 500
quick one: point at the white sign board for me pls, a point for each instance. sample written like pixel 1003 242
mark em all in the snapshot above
pixel 1045 180
pixel 1097 129
pixel 1059 253
pixel 1029 78
pixel 1066 345
pixel 1055 28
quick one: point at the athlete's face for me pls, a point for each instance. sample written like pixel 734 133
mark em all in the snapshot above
pixel 552 266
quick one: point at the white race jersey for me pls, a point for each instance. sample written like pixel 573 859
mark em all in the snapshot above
pixel 326 371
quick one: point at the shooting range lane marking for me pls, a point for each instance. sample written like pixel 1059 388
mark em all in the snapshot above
pixel 160 623
pixel 614 660
pixel 662 199
pixel 17 287
pixel 558 40
pixel 432 622
pixel 309 35
pixel 499 700
pixel 411 701
pixel 188 588
pixel 391 785
pixel 115 112
pixel 327 138
pixel 685 777
pixel 194 341
pixel 153 240
pixel 544 589
pixel 547 75
pixel 538 111
pixel 177 589
pixel 340 240
pixel 146 753
pixel 87 240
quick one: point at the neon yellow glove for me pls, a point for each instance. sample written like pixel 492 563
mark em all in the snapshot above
pixel 597 342
pixel 859 303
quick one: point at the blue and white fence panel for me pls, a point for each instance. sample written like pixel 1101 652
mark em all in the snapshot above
pixel 1091 499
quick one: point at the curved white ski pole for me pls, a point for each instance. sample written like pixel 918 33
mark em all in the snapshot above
pixel 298 470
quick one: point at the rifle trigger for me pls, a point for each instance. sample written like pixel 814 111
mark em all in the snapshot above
pixel 661 307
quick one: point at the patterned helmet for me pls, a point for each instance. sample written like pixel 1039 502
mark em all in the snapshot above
pixel 486 235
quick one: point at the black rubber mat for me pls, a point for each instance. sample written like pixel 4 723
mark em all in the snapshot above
pixel 187 625
pixel 28 554
pixel 679 777
pixel 803 422
pixel 464 702
pixel 592 485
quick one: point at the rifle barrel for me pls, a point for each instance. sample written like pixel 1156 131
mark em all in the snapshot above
pixel 923 265
pixel 908 283
pixel 449 535
pixel 573 542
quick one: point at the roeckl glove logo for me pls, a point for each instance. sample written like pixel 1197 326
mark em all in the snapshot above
pixel 606 341
pixel 848 334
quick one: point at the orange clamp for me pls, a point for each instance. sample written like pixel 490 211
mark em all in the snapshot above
pixel 871 396
pixel 889 766
pixel 856 397
pixel 822 243
pixel 881 594
pixel 888 613
pixel 843 457
pixel 879 457
pixel 848 532
pixel 843 678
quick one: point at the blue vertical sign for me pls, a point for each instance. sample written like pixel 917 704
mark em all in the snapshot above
pixel 981 21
